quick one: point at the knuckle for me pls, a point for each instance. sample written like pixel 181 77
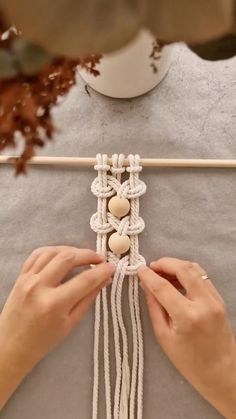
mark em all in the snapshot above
pixel 163 260
pixel 64 248
pixel 29 286
pixel 31 295
pixel 197 319
pixel 22 279
pixel 39 251
pixel 26 289
pixel 47 306
pixel 66 256
pixel 218 310
pixel 189 265
pixel 180 271
pixel 99 275
pixel 196 265
pixel 191 320
pixel 85 250
pixel 102 270
pixel 159 286
pixel 88 278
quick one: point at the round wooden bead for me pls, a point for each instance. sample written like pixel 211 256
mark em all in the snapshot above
pixel 119 206
pixel 119 244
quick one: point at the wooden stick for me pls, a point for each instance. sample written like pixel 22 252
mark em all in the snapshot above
pixel 89 161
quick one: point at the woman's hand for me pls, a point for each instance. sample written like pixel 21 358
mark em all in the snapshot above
pixel 42 310
pixel 193 329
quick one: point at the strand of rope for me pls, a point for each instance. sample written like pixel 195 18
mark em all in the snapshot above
pixel 106 314
pixel 128 393
pixel 117 171
pixel 102 168
pixel 137 370
pixel 132 279
pixel 138 354
pixel 123 411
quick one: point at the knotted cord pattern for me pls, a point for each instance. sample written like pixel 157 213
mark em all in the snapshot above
pixel 128 395
pixel 102 169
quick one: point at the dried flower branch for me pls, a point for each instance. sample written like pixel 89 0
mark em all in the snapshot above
pixel 155 55
pixel 26 100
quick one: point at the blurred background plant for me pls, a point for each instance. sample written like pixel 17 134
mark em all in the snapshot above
pixel 39 67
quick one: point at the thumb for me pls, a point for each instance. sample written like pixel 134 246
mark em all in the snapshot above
pixel 158 315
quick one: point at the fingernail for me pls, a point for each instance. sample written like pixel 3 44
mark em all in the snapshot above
pixel 101 256
pixel 109 282
pixel 112 265
pixel 141 285
pixel 153 265
pixel 142 268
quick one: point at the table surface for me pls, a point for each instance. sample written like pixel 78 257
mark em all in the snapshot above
pixel 189 214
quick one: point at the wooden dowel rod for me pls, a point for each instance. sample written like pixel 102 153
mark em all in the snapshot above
pixel 88 161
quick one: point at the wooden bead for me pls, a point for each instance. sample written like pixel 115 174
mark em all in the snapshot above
pixel 119 206
pixel 119 244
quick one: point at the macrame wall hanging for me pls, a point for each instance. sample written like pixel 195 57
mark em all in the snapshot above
pixel 118 224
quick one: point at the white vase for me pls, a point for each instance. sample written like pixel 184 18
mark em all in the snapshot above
pixel 128 72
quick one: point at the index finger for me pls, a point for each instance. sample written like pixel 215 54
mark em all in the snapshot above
pixel 67 260
pixel 39 252
pixel 170 299
pixel 82 285
pixel 189 274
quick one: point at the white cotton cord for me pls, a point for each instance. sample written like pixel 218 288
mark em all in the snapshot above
pixel 102 169
pixel 134 374
pixel 140 351
pixel 125 379
pixel 118 357
pixel 136 394
pixel 132 279
pixel 134 180
pixel 128 389
pixel 122 366
pixel 106 354
pixel 105 304
pixel 96 356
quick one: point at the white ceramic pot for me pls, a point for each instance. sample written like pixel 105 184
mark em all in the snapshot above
pixel 128 72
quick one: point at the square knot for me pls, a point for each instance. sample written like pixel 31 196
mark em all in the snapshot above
pixel 101 191
pixel 124 226
pixel 102 167
pixel 122 264
pixel 117 170
pixel 134 169
pixel 98 227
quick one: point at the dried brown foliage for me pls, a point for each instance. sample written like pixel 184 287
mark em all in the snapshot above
pixel 26 102
pixel 155 55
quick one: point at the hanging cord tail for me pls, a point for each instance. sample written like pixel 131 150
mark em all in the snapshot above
pixel 121 395
pixel 99 225
pixel 128 393
pixel 137 189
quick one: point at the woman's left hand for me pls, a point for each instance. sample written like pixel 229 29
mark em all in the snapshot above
pixel 42 309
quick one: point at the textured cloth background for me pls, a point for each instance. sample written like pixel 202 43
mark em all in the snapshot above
pixel 188 213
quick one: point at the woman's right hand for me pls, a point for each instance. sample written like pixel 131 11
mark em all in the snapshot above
pixel 193 329
pixel 42 310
